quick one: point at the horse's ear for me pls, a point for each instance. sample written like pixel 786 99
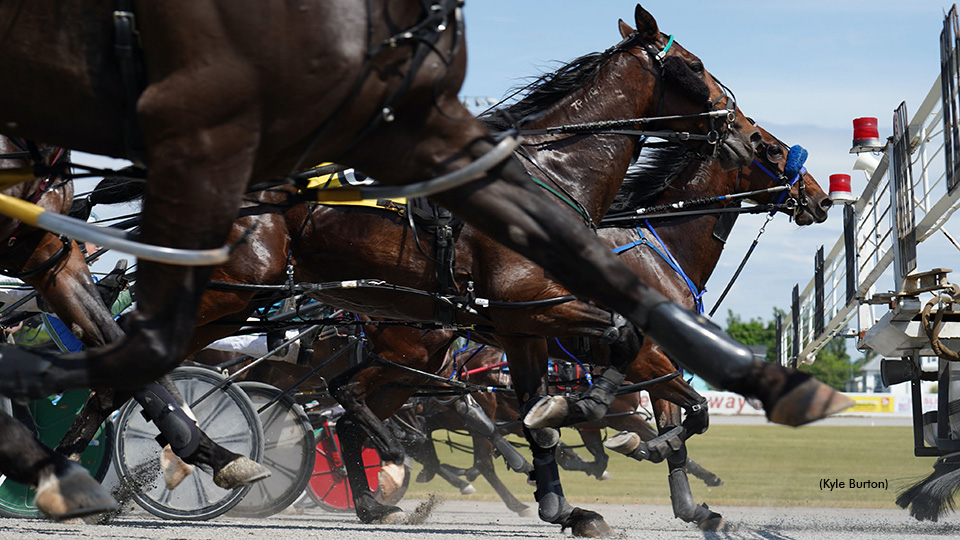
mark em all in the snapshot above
pixel 625 29
pixel 646 24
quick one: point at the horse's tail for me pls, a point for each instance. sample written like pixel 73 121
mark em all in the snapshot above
pixel 125 186
pixel 933 497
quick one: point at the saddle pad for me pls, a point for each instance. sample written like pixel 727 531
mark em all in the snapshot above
pixel 350 177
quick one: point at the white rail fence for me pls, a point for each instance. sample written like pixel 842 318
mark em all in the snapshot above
pixel 911 193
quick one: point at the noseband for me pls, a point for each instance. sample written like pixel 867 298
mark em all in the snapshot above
pixel 792 174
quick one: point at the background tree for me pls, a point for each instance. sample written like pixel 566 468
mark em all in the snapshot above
pixel 833 366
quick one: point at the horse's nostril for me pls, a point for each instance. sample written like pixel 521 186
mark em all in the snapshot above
pixel 826 204
pixel 755 139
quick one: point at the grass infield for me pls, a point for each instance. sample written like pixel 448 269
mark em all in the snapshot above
pixel 761 465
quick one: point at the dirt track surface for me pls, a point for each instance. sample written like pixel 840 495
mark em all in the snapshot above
pixel 487 520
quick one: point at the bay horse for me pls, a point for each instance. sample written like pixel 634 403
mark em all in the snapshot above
pixel 677 176
pixel 57 270
pixel 680 254
pixel 213 111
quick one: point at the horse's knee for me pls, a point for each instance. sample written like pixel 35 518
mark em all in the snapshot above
pixel 624 340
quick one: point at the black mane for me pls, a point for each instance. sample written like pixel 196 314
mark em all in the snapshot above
pixel 550 88
pixel 649 176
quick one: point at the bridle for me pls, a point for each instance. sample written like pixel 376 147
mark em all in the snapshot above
pixel 791 175
pixel 720 121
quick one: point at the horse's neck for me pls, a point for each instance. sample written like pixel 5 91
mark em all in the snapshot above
pixel 691 240
pixel 589 167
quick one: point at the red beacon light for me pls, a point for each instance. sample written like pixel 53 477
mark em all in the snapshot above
pixel 866 137
pixel 840 189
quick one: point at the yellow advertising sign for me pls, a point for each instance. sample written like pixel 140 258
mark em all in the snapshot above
pixel 872 404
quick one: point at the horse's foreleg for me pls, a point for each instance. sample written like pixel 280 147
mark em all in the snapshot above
pixel 483 462
pixel 64 489
pixel 351 435
pixel 684 505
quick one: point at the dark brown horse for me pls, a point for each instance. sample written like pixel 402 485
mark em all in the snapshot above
pixel 217 112
pixel 56 268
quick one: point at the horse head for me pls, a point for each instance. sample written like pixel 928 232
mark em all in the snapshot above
pixel 28 171
pixel 701 105
pixel 783 165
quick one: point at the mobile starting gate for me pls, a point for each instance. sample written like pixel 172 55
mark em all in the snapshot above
pixel 911 193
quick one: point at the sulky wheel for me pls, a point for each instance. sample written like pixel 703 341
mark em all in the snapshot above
pixel 288 452
pixel 328 485
pixel 224 412
pixel 50 418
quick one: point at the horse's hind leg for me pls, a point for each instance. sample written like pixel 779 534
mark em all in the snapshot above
pixel 592 441
pixel 64 489
pixel 357 423
pixel 424 452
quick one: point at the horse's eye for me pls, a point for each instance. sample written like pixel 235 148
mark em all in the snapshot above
pixel 697 67
pixel 774 153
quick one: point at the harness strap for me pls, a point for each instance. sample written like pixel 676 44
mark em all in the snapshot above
pixel 45 265
pixel 667 257
pixel 125 49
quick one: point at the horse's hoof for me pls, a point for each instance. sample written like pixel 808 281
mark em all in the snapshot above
pixel 468 490
pixel 716 481
pixel 175 470
pixel 72 494
pixel 391 480
pixel 589 524
pixel 545 437
pixel 716 523
pixel 605 476
pixel 393 518
pixel 526 511
pixel 548 412
pixel 425 476
pixel 240 472
pixel 808 402
pixel 624 442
